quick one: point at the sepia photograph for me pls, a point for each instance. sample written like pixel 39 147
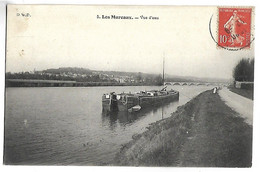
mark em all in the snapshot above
pixel 129 85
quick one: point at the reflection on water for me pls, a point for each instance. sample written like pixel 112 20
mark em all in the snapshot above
pixel 66 125
pixel 125 117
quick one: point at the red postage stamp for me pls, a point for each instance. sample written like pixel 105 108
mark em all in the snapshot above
pixel 234 27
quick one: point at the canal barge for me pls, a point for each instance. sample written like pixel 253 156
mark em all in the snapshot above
pixel 136 101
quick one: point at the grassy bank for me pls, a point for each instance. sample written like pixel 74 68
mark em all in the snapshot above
pixel 243 92
pixel 202 133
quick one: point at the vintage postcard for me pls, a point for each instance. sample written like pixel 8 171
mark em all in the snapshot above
pixel 118 85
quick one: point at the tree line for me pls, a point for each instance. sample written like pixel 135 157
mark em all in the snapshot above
pixel 244 70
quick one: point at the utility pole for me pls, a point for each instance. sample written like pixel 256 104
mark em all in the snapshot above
pixel 163 68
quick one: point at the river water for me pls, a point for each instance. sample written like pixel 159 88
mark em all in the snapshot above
pixel 65 126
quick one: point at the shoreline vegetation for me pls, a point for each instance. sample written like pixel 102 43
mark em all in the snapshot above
pixel 204 132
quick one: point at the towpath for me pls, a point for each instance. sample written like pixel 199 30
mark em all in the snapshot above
pixel 240 104
pixel 205 132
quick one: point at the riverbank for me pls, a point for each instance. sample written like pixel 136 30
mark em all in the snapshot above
pixel 204 132
pixel 60 83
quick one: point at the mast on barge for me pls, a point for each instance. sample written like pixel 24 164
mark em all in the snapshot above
pixel 163 68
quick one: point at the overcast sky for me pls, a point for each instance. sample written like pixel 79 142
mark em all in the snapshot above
pixel 72 36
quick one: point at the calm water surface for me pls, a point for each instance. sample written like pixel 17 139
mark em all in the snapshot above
pixel 65 126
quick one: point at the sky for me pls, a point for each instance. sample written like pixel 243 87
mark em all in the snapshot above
pixel 72 36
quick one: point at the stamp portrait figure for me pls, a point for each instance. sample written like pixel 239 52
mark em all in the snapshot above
pixel 232 27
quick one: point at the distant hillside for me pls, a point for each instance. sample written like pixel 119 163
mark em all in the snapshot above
pixel 84 74
pixel 169 78
pixel 174 78
pixel 134 74
pixel 69 70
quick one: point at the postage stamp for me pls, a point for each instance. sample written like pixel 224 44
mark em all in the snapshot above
pixel 234 27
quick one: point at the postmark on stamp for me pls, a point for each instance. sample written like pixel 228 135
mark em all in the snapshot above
pixel 234 27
